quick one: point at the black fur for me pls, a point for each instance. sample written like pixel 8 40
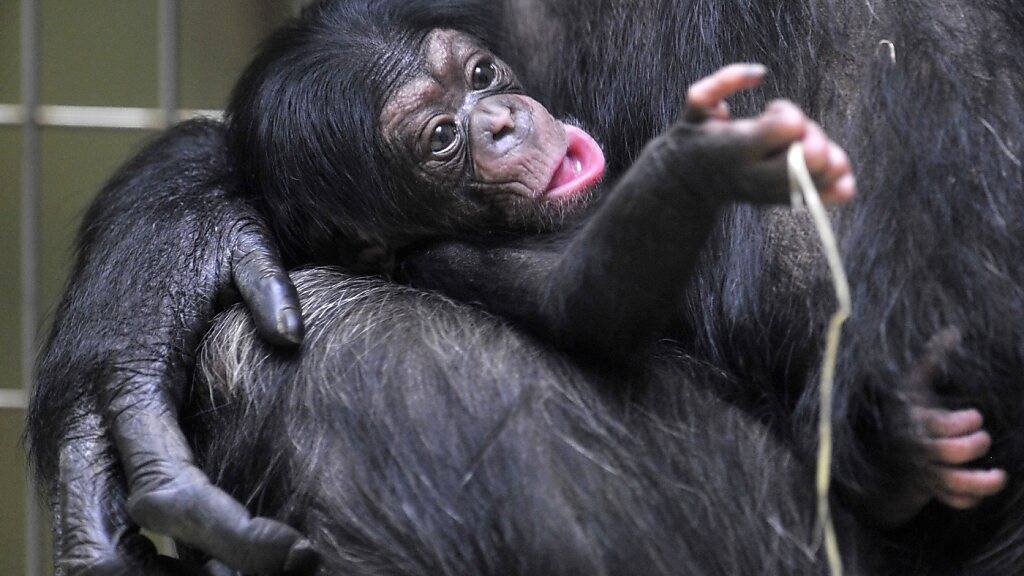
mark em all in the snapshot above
pixel 937 140
pixel 416 435
pixel 931 243
pixel 934 243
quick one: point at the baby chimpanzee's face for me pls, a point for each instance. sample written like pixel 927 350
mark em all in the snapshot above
pixel 480 150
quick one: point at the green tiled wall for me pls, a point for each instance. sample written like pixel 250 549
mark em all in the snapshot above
pixel 10 303
pixel 9 53
pixel 99 52
pixel 212 53
pixel 12 477
pixel 12 505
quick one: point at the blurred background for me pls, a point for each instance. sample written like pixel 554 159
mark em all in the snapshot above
pixel 83 85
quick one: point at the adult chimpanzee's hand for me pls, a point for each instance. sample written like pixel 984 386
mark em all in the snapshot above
pixel 162 244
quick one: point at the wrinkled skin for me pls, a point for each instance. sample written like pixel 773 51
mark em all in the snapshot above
pixel 506 141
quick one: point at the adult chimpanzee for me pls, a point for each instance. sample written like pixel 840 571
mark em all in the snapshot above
pixel 450 148
pixel 941 139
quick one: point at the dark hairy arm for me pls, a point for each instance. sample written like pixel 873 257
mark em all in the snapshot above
pixel 162 244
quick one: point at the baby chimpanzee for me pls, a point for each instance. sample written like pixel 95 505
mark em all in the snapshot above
pixel 361 145
pixel 356 151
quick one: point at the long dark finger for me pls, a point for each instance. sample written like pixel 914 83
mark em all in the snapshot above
pixel 201 515
pixel 94 535
pixel 265 287
pixel 170 496
pixel 87 492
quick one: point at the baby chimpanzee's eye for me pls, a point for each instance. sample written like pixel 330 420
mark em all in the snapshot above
pixel 444 139
pixel 484 74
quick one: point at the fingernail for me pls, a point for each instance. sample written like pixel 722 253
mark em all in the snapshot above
pixel 302 558
pixel 289 325
pixel 757 69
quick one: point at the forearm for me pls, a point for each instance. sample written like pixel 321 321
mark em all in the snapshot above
pixel 149 246
pixel 614 285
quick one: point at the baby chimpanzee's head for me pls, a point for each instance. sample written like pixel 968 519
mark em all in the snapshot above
pixel 368 125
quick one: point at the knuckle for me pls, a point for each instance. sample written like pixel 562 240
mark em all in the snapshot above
pixel 257 264
pixel 252 257
pixel 244 226
pixel 260 271
pixel 248 231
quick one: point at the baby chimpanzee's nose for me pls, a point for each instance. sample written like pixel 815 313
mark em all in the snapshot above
pixel 499 124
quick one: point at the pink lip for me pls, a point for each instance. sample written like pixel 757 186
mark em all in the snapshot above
pixel 582 166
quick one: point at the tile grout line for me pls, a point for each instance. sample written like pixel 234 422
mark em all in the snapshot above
pixel 30 256
pixel 111 117
pixel 168 61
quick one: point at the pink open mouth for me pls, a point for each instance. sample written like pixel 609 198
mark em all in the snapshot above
pixel 582 167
